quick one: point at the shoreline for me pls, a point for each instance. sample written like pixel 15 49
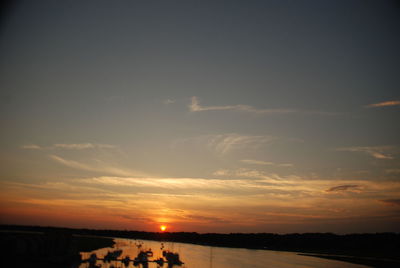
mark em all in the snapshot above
pixel 47 249
pixel 87 243
pixel 368 261
pixel 376 250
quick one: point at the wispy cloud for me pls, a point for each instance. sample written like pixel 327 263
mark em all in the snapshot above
pixel 195 106
pixel 242 182
pixel 378 152
pixel 264 163
pixel 391 202
pixel 154 184
pixel 168 101
pixel 259 180
pixel 31 147
pixel 293 186
pixel 206 219
pixel 226 143
pixel 344 187
pixel 242 200
pixel 98 167
pixel 82 146
pixel 384 104
pixel 69 146
pixel 393 171
pixel 242 173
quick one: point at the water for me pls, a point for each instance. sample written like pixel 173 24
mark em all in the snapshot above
pixel 195 256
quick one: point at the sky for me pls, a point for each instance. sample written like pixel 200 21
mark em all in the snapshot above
pixel 204 116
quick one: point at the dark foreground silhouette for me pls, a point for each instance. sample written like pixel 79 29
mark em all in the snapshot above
pixel 143 259
pixel 62 245
pixel 50 247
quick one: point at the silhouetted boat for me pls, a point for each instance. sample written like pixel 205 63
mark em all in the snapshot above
pixel 126 260
pixel 141 259
pixel 112 255
pixel 92 260
pixel 149 253
pixel 160 261
pixel 172 258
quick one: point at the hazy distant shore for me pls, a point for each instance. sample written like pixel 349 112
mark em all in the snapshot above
pixel 376 250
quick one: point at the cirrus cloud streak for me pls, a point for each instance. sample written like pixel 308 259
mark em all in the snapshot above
pixel 195 106
pixel 384 104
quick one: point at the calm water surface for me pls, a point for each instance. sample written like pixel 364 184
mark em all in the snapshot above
pixel 195 256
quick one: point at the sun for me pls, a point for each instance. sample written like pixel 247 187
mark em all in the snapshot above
pixel 163 228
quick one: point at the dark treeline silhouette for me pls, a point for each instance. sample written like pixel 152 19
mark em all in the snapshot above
pixel 24 246
pixel 380 245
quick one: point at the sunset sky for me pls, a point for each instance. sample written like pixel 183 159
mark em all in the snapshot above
pixel 205 116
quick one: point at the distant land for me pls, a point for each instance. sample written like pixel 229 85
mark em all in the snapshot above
pixel 373 249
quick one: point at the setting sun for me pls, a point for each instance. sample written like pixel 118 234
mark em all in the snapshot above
pixel 163 228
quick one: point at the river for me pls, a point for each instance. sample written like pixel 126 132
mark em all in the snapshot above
pixel 196 256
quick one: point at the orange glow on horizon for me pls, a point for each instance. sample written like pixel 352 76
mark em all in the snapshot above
pixel 163 228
